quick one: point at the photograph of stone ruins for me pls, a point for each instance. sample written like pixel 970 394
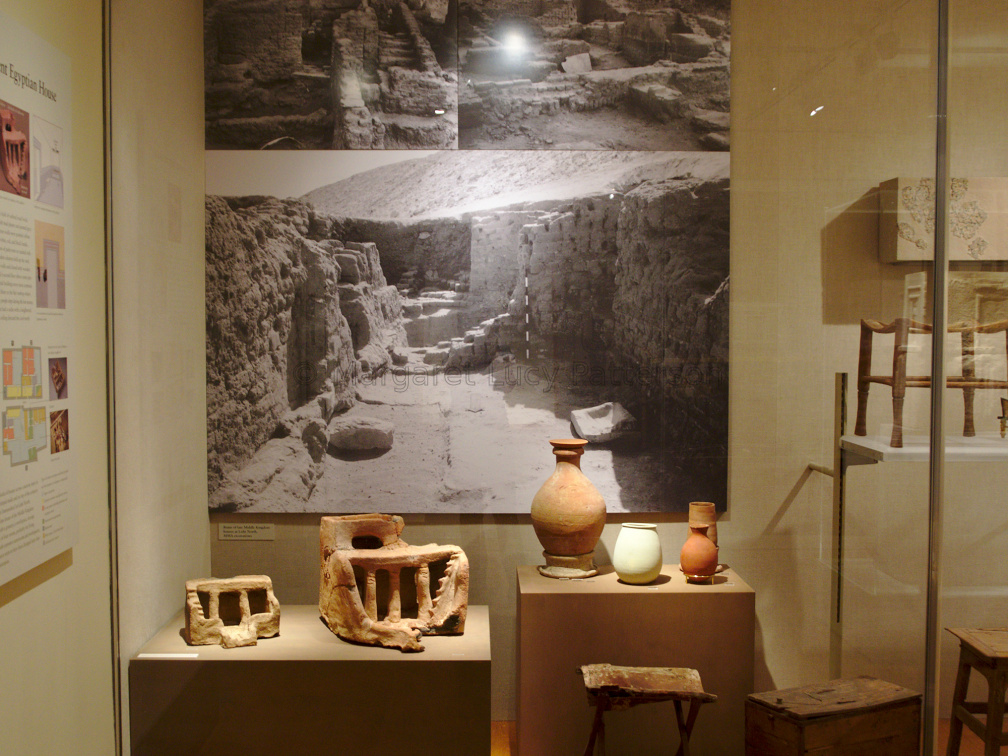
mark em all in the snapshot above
pixel 594 74
pixel 330 74
pixel 483 74
pixel 409 338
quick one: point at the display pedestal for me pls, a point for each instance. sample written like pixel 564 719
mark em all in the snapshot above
pixel 307 691
pixel 563 624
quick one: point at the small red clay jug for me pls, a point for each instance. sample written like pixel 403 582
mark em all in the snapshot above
pixel 699 555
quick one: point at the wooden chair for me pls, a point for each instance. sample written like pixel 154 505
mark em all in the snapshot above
pixel 899 381
pixel 986 651
pixel 612 688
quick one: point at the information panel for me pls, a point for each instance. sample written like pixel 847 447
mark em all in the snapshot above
pixel 38 507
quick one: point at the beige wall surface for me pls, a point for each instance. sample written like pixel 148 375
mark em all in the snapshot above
pixel 55 622
pixel 157 257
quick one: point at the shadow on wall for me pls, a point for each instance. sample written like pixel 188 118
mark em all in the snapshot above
pixel 774 581
pixel 775 584
pixel 762 678
pixel 854 282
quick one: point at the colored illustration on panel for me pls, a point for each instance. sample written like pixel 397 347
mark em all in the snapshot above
pixel 47 162
pixel 50 266
pixel 58 378
pixel 24 434
pixel 14 155
pixel 22 377
pixel 59 426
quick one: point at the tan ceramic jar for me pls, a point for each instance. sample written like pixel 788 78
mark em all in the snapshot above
pixel 704 512
pixel 568 514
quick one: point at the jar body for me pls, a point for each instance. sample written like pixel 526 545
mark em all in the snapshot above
pixel 568 514
pixel 637 556
pixel 699 555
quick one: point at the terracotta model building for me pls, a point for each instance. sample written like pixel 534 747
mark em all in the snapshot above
pixel 371 543
pixel 232 611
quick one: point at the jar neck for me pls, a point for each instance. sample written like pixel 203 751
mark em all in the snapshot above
pixel 567 456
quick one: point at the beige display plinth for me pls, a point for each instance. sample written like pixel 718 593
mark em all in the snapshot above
pixel 563 624
pixel 308 692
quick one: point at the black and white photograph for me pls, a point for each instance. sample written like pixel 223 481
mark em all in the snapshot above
pixel 608 74
pixel 319 75
pixel 408 334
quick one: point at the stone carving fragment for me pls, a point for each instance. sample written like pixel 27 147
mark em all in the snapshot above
pixel 977 225
pixel 360 434
pixel 371 544
pixel 602 423
pixel 231 611
pixel 580 63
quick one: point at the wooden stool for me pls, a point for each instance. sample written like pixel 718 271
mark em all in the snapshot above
pixel 613 688
pixel 987 652
pixel 860 715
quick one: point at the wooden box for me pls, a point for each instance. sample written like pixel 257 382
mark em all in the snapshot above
pixel 839 718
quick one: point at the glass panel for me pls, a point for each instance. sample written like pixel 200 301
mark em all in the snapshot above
pixel 974 588
pixel 826 128
pixel 883 506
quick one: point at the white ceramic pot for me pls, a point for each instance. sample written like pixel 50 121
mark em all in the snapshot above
pixel 637 556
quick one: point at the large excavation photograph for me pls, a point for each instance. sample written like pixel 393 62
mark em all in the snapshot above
pixel 409 337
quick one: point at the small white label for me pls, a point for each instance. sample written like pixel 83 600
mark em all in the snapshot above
pixel 246 531
pixel 167 656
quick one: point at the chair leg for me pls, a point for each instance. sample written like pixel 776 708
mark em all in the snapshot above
pixel 969 374
pixel 995 713
pixel 900 341
pixel 683 730
pixel 863 384
pixel 958 699
pixel 598 726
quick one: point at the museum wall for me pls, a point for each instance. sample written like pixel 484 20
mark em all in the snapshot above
pixel 55 628
pixel 804 271
pixel 160 368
